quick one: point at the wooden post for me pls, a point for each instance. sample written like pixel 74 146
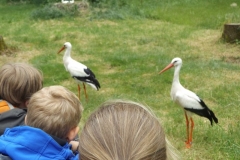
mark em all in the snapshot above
pixel 231 32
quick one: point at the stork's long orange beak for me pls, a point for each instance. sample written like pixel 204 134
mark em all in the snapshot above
pixel 166 68
pixel 61 49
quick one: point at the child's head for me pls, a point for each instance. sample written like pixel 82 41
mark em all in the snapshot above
pixel 56 110
pixel 18 81
pixel 122 130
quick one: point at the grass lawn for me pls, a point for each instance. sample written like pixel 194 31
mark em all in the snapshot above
pixel 127 54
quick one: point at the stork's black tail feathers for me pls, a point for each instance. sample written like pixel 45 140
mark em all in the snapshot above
pixel 90 79
pixel 205 112
pixel 208 113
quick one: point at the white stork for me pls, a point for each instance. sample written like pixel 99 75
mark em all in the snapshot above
pixel 78 71
pixel 190 102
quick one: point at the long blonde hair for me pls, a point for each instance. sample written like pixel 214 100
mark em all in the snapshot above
pixel 18 81
pixel 122 130
pixel 54 109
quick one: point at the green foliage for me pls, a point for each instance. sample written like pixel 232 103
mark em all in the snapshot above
pixel 116 3
pixel 47 12
pixel 35 2
pixel 55 11
pixel 181 12
pixel 10 1
pixel 42 2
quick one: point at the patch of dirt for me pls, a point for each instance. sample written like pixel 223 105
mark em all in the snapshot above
pixel 231 59
pixel 8 52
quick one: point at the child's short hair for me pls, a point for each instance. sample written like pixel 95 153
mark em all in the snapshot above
pixel 54 109
pixel 18 81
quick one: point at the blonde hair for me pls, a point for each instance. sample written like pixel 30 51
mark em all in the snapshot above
pixel 122 130
pixel 54 109
pixel 18 81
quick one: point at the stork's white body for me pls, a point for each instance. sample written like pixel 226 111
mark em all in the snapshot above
pixel 182 96
pixel 78 71
pixel 188 100
pixel 75 68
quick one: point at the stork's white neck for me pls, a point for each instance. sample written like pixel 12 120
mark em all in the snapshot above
pixel 67 58
pixel 176 85
pixel 176 74
pixel 67 53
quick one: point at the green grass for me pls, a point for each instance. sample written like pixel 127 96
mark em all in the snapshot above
pixel 127 53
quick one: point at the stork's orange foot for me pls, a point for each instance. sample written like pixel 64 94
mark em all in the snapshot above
pixel 188 145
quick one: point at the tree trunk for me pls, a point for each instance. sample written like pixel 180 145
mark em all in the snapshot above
pixel 231 32
pixel 3 46
pixel 4 49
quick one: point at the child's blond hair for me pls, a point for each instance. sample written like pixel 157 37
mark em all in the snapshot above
pixel 123 130
pixel 54 109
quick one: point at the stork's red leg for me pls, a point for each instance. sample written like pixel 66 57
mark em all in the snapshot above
pixel 79 88
pixel 191 130
pixel 188 145
pixel 85 91
pixel 187 124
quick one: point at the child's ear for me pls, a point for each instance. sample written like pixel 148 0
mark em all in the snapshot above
pixel 72 133
pixel 26 103
pixel 25 120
